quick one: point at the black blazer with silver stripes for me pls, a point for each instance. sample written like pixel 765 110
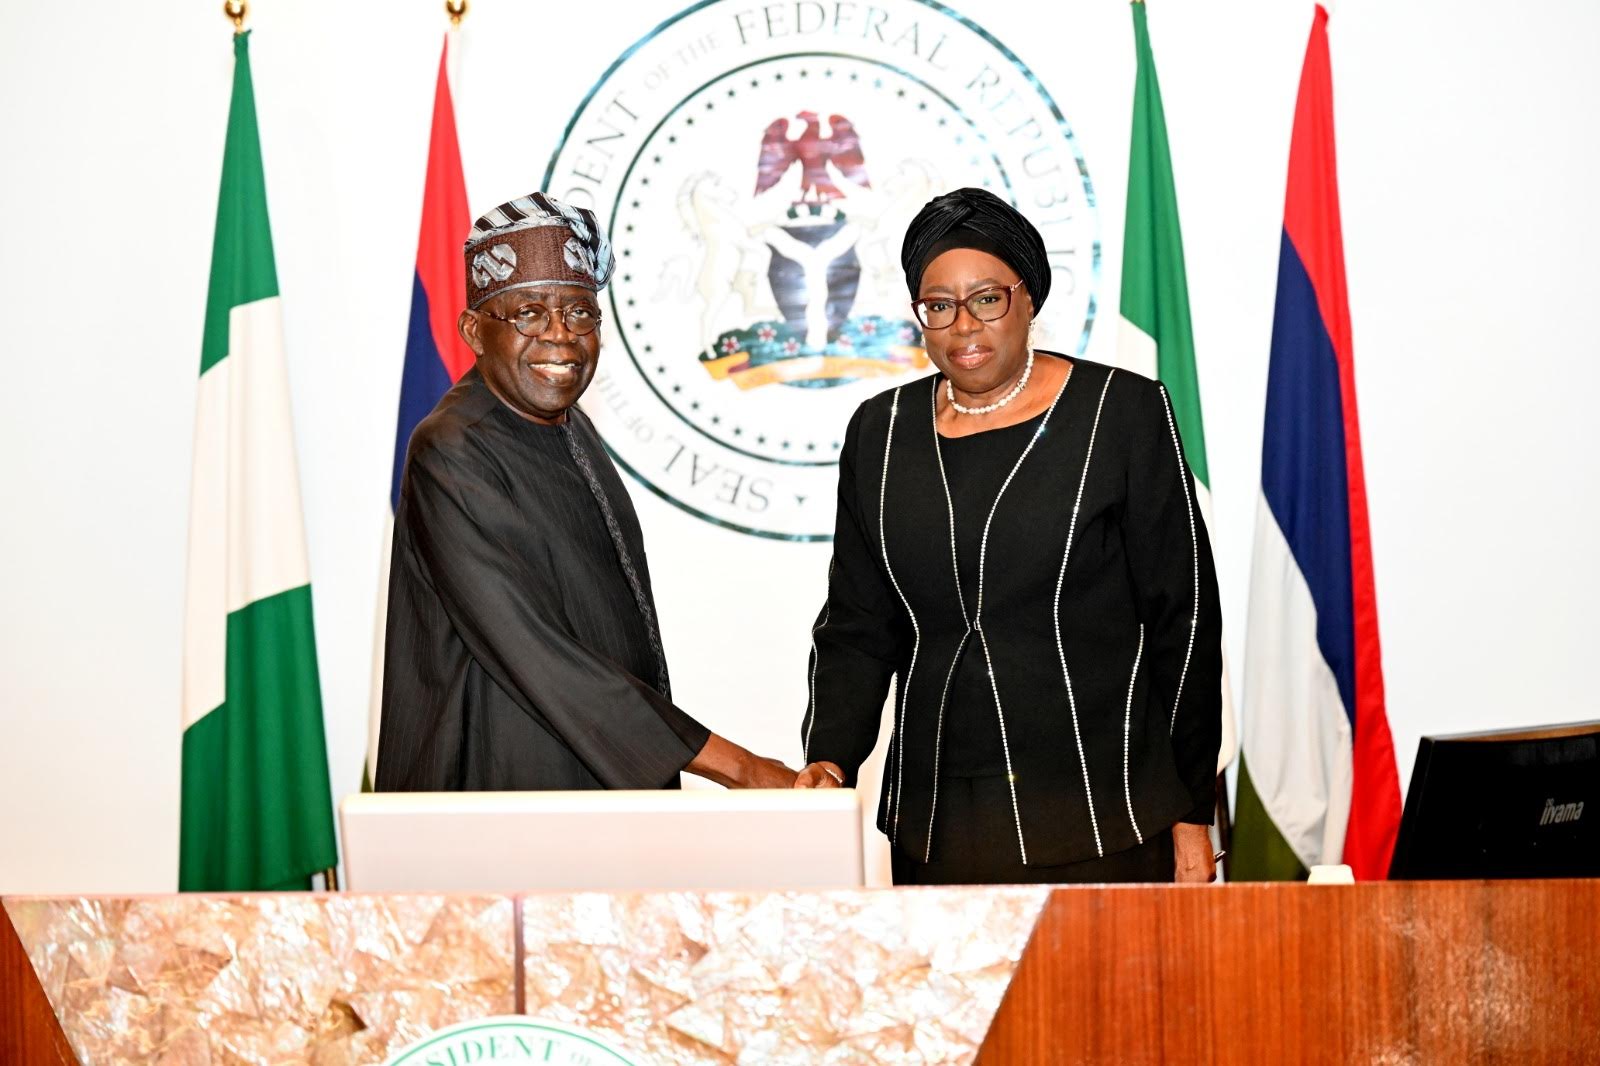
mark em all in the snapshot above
pixel 1097 613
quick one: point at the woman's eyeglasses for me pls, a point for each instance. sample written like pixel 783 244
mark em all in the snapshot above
pixel 985 305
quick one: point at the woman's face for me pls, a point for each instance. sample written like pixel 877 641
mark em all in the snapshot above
pixel 978 357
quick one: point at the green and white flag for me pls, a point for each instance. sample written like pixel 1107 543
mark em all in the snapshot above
pixel 257 811
pixel 1154 337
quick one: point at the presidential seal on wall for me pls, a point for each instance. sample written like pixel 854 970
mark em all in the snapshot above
pixel 756 166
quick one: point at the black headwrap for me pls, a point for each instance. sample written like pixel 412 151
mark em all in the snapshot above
pixel 976 218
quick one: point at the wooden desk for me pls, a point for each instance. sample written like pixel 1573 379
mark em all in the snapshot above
pixel 1446 972
pixel 1414 972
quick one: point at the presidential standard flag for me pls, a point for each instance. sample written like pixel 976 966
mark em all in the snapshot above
pixel 256 809
pixel 1154 338
pixel 1317 781
pixel 435 354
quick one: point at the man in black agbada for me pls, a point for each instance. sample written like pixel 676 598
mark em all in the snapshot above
pixel 522 646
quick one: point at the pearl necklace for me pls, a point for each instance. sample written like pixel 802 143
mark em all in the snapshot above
pixel 950 393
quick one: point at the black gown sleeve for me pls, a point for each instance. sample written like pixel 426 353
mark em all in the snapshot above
pixel 1175 585
pixel 472 544
pixel 859 636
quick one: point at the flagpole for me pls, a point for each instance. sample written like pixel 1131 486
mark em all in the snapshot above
pixel 456 10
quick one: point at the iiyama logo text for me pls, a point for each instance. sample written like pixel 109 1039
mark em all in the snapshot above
pixel 1560 812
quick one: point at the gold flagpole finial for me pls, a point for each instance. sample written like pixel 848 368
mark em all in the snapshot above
pixel 456 9
pixel 236 11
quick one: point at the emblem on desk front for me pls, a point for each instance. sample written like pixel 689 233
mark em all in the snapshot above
pixel 756 168
pixel 512 1039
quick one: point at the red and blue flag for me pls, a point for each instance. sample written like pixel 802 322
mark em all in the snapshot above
pixel 1318 782
pixel 435 354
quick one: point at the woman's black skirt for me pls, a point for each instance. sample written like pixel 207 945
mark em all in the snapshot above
pixel 975 843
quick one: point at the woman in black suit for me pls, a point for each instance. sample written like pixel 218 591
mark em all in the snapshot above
pixel 1018 544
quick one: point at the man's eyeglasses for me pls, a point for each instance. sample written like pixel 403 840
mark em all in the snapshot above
pixel 985 305
pixel 532 320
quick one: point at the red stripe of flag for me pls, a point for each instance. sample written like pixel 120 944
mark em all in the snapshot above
pixel 444 227
pixel 1311 219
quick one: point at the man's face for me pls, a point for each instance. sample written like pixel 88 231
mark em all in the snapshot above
pixel 537 372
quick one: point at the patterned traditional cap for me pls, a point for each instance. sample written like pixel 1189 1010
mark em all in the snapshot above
pixel 535 240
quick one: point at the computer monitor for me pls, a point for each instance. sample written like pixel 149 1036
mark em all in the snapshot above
pixel 1514 803
pixel 695 839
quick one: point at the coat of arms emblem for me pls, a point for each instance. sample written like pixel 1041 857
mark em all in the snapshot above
pixel 756 171
pixel 813 204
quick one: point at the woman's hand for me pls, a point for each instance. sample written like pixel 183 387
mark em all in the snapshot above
pixel 820 775
pixel 1192 854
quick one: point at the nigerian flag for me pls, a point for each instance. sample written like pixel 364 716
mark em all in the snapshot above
pixel 257 812
pixel 1154 337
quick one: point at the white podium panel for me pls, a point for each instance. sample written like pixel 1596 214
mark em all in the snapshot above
pixel 696 839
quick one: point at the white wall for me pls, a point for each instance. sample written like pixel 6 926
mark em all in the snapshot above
pixel 1470 227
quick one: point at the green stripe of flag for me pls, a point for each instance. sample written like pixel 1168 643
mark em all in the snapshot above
pixel 242 266
pixel 254 768
pixel 1260 853
pixel 1155 288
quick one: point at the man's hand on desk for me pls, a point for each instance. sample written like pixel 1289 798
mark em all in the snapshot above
pixel 767 773
pixel 731 766
pixel 820 775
